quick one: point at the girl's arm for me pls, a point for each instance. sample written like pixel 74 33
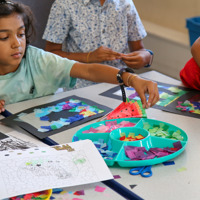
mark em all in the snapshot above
pixel 108 74
pixel 195 50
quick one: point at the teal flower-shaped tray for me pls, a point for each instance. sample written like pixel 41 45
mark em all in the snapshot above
pixel 157 134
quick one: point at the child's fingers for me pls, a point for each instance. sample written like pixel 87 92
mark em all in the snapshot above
pixel 2 102
pixel 2 109
pixel 153 94
pixel 143 99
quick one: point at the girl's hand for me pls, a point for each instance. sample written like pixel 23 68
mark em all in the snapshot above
pixel 103 54
pixel 142 87
pixel 2 104
pixel 136 59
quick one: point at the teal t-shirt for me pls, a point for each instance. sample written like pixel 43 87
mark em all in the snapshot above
pixel 40 73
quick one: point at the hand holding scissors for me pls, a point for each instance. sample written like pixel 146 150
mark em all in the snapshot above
pixel 143 171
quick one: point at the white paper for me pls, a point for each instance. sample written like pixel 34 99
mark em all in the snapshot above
pixel 38 169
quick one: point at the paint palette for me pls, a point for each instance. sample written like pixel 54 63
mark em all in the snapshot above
pixel 155 135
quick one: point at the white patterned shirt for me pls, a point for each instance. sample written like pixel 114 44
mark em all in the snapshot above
pixel 85 25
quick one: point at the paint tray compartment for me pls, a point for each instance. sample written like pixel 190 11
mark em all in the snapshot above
pixel 166 136
pixel 103 139
pixel 165 129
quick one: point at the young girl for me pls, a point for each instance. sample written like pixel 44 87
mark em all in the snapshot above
pixel 27 72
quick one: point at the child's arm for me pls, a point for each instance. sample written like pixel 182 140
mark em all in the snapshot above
pixel 108 74
pixel 2 103
pixel 195 50
pixel 97 56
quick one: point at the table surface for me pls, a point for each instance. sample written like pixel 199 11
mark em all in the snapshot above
pixel 167 183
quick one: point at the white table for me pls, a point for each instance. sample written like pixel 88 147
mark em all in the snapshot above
pixel 166 183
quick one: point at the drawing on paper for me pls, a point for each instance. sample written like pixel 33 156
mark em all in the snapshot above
pixel 13 143
pixel 42 170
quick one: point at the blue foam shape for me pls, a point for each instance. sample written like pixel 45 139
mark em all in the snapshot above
pixel 44 118
pixel 57 190
pixel 75 138
pixel 46 127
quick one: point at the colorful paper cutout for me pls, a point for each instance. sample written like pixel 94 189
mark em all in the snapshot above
pixel 182 169
pixel 73 105
pixel 131 137
pixel 48 119
pixel 99 189
pixel 105 149
pixel 140 153
pixel 57 190
pixel 169 163
pixel 168 93
pixel 116 176
pixel 110 126
pixel 162 130
pixel 43 195
pixel 128 109
pixel 132 186
pixel 188 105
pixel 80 192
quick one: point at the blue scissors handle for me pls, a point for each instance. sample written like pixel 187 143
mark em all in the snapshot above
pixel 143 171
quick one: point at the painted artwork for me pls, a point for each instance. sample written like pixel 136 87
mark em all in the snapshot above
pixel 48 119
pixel 38 169
pixel 172 98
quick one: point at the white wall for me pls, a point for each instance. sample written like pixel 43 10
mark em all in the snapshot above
pixel 167 35
pixel 170 13
pixel 170 56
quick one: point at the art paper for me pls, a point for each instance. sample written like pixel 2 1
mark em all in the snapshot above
pixel 171 96
pixel 38 169
pixel 188 105
pixel 48 119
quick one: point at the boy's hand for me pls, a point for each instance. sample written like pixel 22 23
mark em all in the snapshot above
pixel 103 54
pixel 136 59
pixel 2 104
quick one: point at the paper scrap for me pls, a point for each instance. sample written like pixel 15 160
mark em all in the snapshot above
pixel 181 169
pixel 99 189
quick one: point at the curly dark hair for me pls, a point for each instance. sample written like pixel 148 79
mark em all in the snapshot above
pixel 9 7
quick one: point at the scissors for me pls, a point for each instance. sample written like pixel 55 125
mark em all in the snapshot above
pixel 143 171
